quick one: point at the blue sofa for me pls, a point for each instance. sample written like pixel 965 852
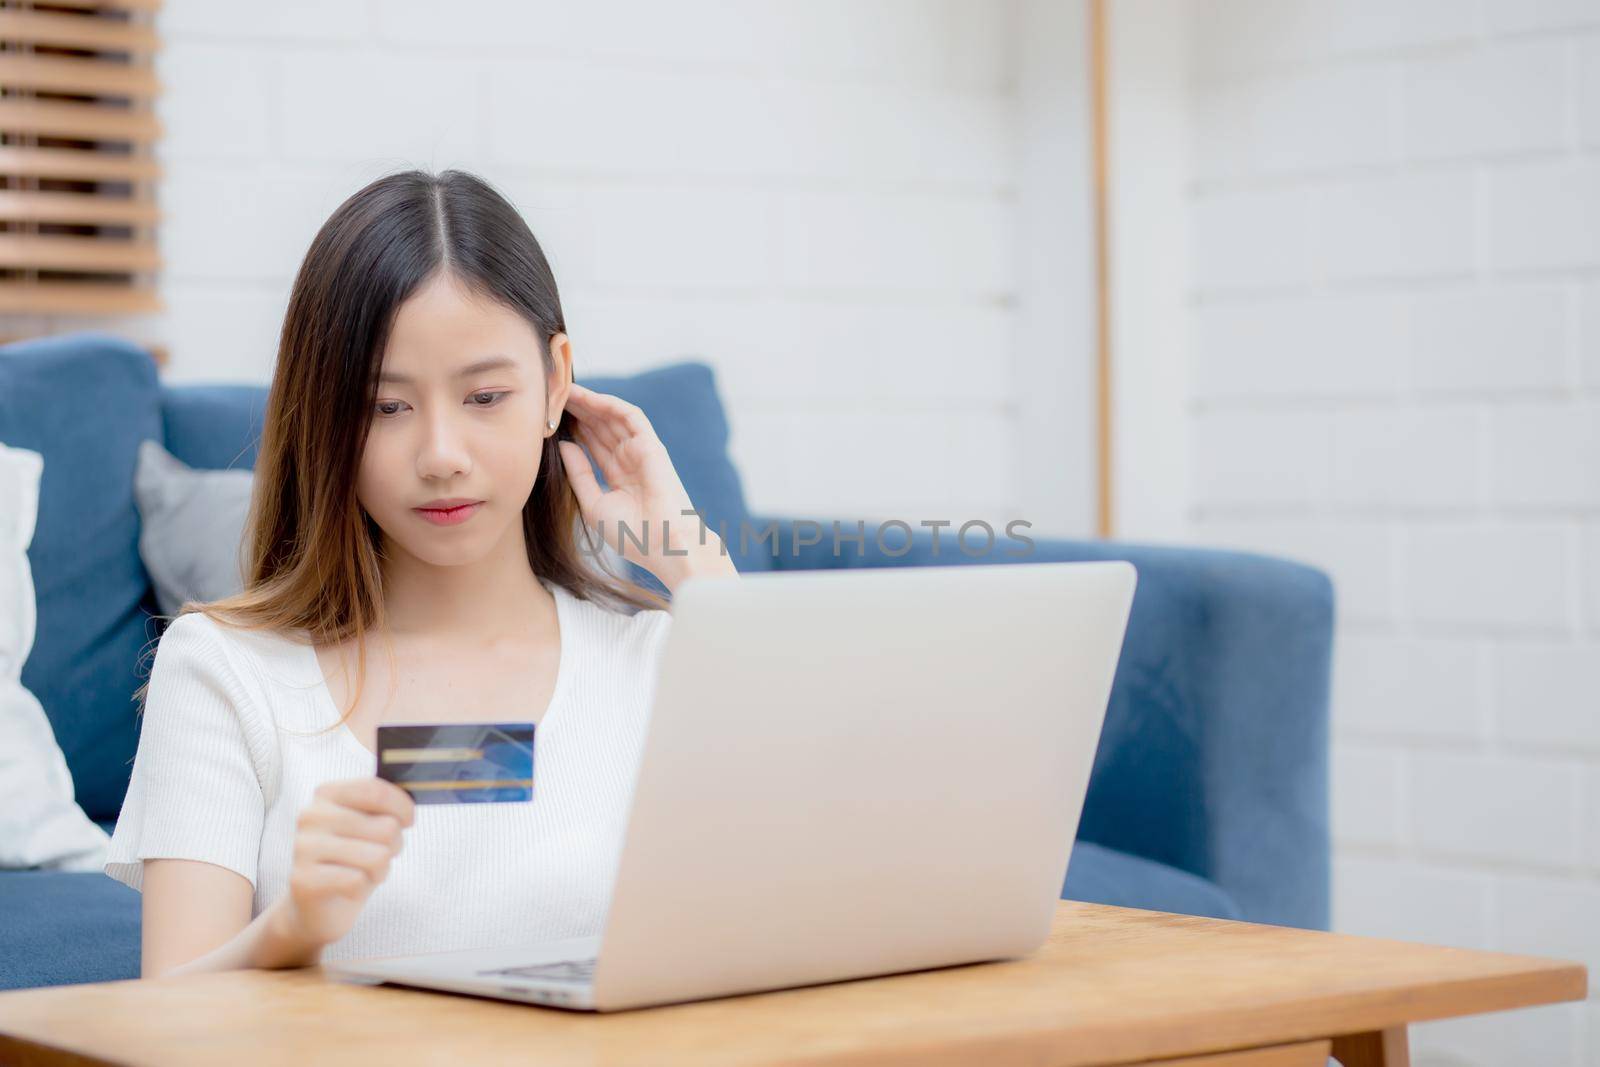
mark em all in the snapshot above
pixel 1209 792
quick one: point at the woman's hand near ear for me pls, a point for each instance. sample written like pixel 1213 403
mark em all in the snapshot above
pixel 645 495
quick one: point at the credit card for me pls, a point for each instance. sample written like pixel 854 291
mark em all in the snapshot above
pixel 458 763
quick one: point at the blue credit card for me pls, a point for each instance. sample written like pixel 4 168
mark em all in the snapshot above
pixel 459 763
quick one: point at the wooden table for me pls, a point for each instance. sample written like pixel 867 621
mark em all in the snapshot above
pixel 1112 986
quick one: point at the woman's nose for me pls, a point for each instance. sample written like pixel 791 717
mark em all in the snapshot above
pixel 443 451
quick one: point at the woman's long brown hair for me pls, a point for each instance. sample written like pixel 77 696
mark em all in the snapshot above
pixel 311 554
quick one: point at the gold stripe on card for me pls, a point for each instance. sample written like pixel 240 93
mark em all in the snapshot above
pixel 431 755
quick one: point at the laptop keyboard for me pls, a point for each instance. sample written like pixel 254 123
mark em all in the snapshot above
pixel 560 971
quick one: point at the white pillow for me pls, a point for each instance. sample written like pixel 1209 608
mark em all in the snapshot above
pixel 191 527
pixel 40 824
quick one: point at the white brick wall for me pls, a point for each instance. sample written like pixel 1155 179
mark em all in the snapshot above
pixel 1591 817
pixel 1407 225
pixel 1428 688
pixel 1547 695
pixel 1544 215
pixel 1396 374
pixel 1394 897
pixel 1334 345
pixel 819 199
pixel 1508 337
pixel 1522 86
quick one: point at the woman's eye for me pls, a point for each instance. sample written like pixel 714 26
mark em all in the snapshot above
pixel 494 398
pixel 383 407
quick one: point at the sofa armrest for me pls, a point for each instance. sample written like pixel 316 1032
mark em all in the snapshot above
pixel 1214 756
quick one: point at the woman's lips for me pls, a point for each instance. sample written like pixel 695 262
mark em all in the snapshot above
pixel 449 516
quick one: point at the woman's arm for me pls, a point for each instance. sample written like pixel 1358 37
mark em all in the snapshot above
pixel 698 561
pixel 197 914
pixel 197 918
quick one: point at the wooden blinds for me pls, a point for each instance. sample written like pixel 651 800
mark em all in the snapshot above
pixel 77 173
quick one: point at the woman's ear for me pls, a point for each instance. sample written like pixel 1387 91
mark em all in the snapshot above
pixel 559 385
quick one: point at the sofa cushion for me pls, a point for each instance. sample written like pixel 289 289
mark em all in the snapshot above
pixel 191 527
pixel 84 401
pixel 1101 875
pixel 59 928
pixel 41 824
pixel 213 426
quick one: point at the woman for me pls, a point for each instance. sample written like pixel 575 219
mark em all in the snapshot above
pixel 419 491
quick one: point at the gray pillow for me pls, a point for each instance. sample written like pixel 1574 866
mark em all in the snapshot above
pixel 191 527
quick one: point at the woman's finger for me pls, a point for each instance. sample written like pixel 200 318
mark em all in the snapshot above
pixel 601 424
pixel 630 416
pixel 331 878
pixel 604 454
pixel 605 427
pixel 372 795
pixel 580 475
pixel 348 822
pixel 318 847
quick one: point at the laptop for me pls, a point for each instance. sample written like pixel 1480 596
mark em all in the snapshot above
pixel 847 773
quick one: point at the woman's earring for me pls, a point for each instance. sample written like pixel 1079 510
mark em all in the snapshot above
pixel 550 423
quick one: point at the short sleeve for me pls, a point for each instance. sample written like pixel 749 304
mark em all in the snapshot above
pixel 196 790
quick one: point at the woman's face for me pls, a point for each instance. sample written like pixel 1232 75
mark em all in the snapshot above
pixel 460 414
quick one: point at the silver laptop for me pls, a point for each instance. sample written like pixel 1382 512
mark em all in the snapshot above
pixel 847 773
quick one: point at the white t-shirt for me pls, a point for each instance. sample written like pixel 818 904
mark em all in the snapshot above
pixel 229 754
